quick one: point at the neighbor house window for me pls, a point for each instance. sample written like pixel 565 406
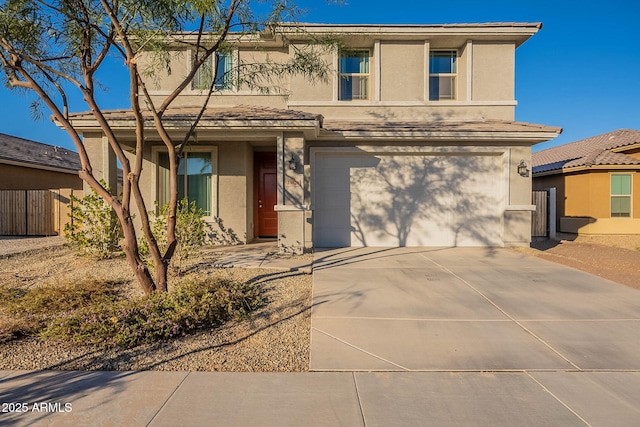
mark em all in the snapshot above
pixel 621 195
pixel 354 75
pixel 195 179
pixel 220 65
pixel 443 70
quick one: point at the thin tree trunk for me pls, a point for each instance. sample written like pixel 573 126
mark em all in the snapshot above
pixel 140 270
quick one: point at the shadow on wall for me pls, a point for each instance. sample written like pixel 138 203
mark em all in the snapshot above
pixel 573 224
pixel 411 199
pixel 420 200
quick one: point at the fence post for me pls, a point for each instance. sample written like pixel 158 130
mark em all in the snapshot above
pixel 552 213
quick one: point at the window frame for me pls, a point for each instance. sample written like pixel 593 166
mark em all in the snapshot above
pixel 341 53
pixel 211 64
pixel 613 196
pixel 453 76
pixel 213 150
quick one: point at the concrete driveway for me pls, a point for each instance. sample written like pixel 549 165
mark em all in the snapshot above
pixel 467 309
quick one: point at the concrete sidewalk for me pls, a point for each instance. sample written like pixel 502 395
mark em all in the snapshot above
pixel 319 399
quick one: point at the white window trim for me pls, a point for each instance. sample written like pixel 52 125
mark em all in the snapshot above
pixel 213 149
pixel 455 76
pixel 369 75
pixel 630 174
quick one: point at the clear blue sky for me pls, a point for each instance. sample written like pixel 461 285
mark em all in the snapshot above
pixel 580 72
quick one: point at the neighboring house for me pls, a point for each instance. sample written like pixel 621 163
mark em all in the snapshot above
pixel 30 165
pixel 36 182
pixel 411 142
pixel 597 183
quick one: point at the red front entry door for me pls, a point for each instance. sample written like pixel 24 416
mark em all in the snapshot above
pixel 265 190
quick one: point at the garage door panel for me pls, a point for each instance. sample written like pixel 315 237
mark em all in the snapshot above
pixel 407 200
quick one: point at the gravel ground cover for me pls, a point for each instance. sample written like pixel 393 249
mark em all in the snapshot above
pixel 275 338
pixel 616 258
pixel 11 244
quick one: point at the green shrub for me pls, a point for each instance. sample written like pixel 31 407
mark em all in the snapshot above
pixel 25 312
pixel 190 231
pixel 94 229
pixel 162 316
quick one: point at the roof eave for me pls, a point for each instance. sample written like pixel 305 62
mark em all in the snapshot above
pixel 493 136
pixel 586 168
pixel 38 166
pixel 307 126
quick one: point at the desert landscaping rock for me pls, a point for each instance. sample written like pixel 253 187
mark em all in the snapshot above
pixel 275 338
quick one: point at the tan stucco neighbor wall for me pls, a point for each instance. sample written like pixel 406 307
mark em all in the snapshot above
pixel 584 202
pixel 14 177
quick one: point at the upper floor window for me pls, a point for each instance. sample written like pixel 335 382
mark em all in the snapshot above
pixel 354 75
pixel 443 70
pixel 219 66
pixel 621 195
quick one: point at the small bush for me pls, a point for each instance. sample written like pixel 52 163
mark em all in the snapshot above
pixel 159 317
pixel 94 229
pixel 190 231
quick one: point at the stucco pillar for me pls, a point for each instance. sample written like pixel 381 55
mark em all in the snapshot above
pixel 518 210
pixel 103 161
pixel 291 208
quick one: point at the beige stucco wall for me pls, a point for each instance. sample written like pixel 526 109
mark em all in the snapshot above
pixel 352 110
pixel 402 71
pixel 233 197
pixel 519 186
pixel 493 71
pixel 301 88
pixel 398 71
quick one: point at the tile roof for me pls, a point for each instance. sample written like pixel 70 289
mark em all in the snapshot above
pixel 436 126
pixel 37 154
pixel 239 112
pixel 594 151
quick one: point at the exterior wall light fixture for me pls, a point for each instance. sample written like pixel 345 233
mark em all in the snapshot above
pixel 291 162
pixel 522 169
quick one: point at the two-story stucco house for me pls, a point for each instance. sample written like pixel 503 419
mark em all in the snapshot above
pixel 411 142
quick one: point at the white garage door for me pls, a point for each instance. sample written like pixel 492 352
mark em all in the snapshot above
pixel 364 199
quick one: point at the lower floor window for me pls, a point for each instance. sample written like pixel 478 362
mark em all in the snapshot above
pixel 195 176
pixel 621 195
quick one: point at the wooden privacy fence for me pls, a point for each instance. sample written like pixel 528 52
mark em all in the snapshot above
pixel 34 212
pixel 540 217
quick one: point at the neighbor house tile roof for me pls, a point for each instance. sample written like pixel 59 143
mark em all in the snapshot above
pixel 598 150
pixel 24 151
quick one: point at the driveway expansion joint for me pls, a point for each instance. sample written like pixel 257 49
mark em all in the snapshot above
pixel 549 346
pixel 360 349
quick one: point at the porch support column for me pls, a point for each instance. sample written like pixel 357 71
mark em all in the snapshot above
pixel 291 209
pixel 103 161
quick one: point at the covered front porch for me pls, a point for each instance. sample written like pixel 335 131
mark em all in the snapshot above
pixel 245 168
